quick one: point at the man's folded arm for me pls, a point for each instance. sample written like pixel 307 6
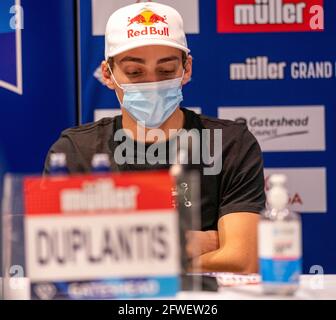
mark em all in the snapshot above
pixel 237 251
pixel 242 199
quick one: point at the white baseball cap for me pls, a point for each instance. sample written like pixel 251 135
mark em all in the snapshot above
pixel 144 24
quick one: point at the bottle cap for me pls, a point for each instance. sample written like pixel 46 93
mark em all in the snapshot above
pixel 101 159
pixel 277 196
pixel 58 159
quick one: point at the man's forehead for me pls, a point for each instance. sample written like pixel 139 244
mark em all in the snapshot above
pixel 160 54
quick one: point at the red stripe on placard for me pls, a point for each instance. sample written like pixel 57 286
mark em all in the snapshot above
pixel 233 18
pixel 91 193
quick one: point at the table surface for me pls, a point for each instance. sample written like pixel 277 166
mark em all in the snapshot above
pixel 246 287
pixel 312 287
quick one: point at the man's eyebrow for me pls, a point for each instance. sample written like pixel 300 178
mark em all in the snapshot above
pixel 132 59
pixel 168 59
pixel 142 61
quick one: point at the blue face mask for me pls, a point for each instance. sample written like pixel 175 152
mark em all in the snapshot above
pixel 151 103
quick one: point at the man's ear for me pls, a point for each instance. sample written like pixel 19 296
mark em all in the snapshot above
pixel 187 70
pixel 107 76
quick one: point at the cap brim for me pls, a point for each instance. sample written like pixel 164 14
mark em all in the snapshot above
pixel 146 42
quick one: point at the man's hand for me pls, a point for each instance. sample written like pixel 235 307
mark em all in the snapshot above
pixel 201 242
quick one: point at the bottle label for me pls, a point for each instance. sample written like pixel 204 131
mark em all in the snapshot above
pixel 280 251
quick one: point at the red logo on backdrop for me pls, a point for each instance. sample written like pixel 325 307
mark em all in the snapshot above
pixel 240 16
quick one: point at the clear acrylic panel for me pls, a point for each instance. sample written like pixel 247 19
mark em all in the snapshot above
pixel 15 283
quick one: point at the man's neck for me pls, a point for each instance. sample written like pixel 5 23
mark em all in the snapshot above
pixel 174 123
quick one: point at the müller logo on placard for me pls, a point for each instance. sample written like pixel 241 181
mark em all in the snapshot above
pixel 270 15
pixel 149 20
pixel 99 195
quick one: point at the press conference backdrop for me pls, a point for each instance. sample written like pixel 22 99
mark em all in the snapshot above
pixel 272 65
pixel 37 80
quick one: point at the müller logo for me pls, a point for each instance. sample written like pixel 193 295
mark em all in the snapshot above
pixel 149 20
pixel 270 15
pixel 99 195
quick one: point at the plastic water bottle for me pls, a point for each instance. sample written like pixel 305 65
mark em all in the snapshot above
pixel 58 165
pixel 279 242
pixel 101 163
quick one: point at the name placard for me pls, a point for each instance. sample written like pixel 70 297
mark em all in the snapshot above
pixel 106 236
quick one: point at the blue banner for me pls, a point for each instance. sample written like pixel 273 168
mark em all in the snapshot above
pixel 10 43
pixel 37 79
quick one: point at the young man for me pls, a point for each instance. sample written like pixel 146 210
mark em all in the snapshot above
pixel 147 62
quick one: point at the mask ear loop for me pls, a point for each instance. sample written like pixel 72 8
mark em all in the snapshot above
pixel 115 81
pixel 183 74
pixel 184 71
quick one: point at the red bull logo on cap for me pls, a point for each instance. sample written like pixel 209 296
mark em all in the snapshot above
pixel 148 19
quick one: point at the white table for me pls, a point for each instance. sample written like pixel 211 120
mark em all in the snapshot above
pixel 312 287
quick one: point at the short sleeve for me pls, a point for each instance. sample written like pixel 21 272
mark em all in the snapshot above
pixel 244 190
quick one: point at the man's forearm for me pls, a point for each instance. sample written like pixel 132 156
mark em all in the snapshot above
pixel 201 242
pixel 238 249
pixel 222 260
